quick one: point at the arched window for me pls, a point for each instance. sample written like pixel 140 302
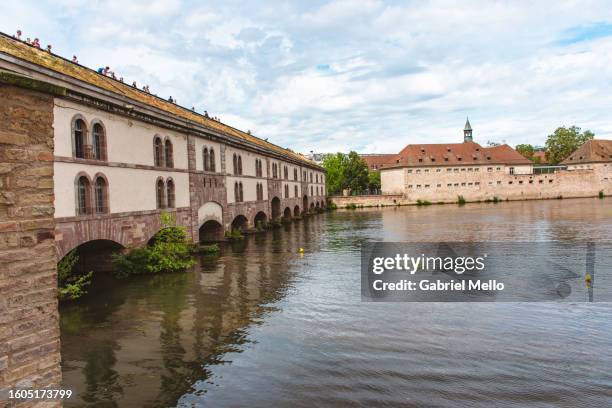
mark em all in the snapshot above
pixel 235 164
pixel 286 173
pixel 212 160
pixel 99 142
pixel 101 196
pixel 295 191
pixel 295 174
pixel 80 135
pixel 241 193
pixel 311 190
pixel 239 164
pixel 158 152
pixel 170 193
pixel 161 199
pixel 311 177
pixel 83 196
pixel 304 178
pixel 236 192
pixel 206 160
pixel 169 154
pixel 286 191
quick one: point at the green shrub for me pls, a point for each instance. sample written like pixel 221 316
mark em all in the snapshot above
pixel 351 206
pixel 169 251
pixel 71 286
pixel 460 200
pixel 423 202
pixel 601 194
pixel 331 207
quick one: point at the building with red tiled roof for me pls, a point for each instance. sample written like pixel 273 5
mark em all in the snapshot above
pixel 591 152
pixel 448 168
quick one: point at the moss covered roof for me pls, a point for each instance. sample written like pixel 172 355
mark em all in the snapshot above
pixel 23 51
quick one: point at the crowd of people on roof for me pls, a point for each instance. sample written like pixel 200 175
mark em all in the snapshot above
pixel 106 71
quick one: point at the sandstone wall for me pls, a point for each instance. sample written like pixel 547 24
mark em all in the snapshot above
pixel 443 187
pixel 29 329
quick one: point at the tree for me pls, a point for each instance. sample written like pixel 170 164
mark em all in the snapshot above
pixel 334 165
pixel 526 150
pixel 356 173
pixel 564 141
pixel 345 171
pixel 374 181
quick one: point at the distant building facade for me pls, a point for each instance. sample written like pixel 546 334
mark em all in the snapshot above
pixel 443 172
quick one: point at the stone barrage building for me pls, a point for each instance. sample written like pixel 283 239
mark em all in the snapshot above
pixel 443 172
pixel 123 155
pixel 89 162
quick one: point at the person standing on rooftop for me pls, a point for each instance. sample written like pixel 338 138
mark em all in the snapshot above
pixel 75 59
pixel 49 48
pixel 18 35
pixel 36 43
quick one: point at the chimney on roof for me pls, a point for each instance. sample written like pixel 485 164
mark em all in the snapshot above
pixel 467 131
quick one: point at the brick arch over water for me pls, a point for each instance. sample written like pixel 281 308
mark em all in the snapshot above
pixel 130 230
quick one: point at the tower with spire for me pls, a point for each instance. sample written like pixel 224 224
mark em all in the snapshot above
pixel 467 131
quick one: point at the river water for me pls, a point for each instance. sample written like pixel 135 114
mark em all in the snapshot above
pixel 261 325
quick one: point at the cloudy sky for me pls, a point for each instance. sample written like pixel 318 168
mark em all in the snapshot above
pixel 365 75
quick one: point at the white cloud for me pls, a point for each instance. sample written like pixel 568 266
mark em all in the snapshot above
pixel 340 75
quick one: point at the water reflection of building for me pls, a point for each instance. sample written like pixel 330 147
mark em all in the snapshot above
pixel 150 341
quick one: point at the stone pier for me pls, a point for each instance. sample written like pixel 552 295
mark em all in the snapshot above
pixel 29 320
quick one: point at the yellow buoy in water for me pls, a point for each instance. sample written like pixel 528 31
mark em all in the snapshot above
pixel 301 250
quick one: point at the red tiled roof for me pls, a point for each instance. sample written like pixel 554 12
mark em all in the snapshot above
pixel 453 154
pixel 376 161
pixel 592 151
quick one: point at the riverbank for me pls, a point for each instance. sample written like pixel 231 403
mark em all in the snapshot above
pixel 395 200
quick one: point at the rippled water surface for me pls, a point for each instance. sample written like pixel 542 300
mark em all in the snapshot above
pixel 263 326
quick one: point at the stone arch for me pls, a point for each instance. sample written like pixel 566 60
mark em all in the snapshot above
pixel 276 209
pixel 103 142
pixel 312 207
pixel 210 210
pixel 305 204
pixel 210 230
pixel 240 223
pixel 287 213
pixel 296 211
pixel 317 205
pixel 94 255
pixel 260 217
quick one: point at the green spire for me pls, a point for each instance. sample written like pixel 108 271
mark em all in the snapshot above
pixel 467 124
